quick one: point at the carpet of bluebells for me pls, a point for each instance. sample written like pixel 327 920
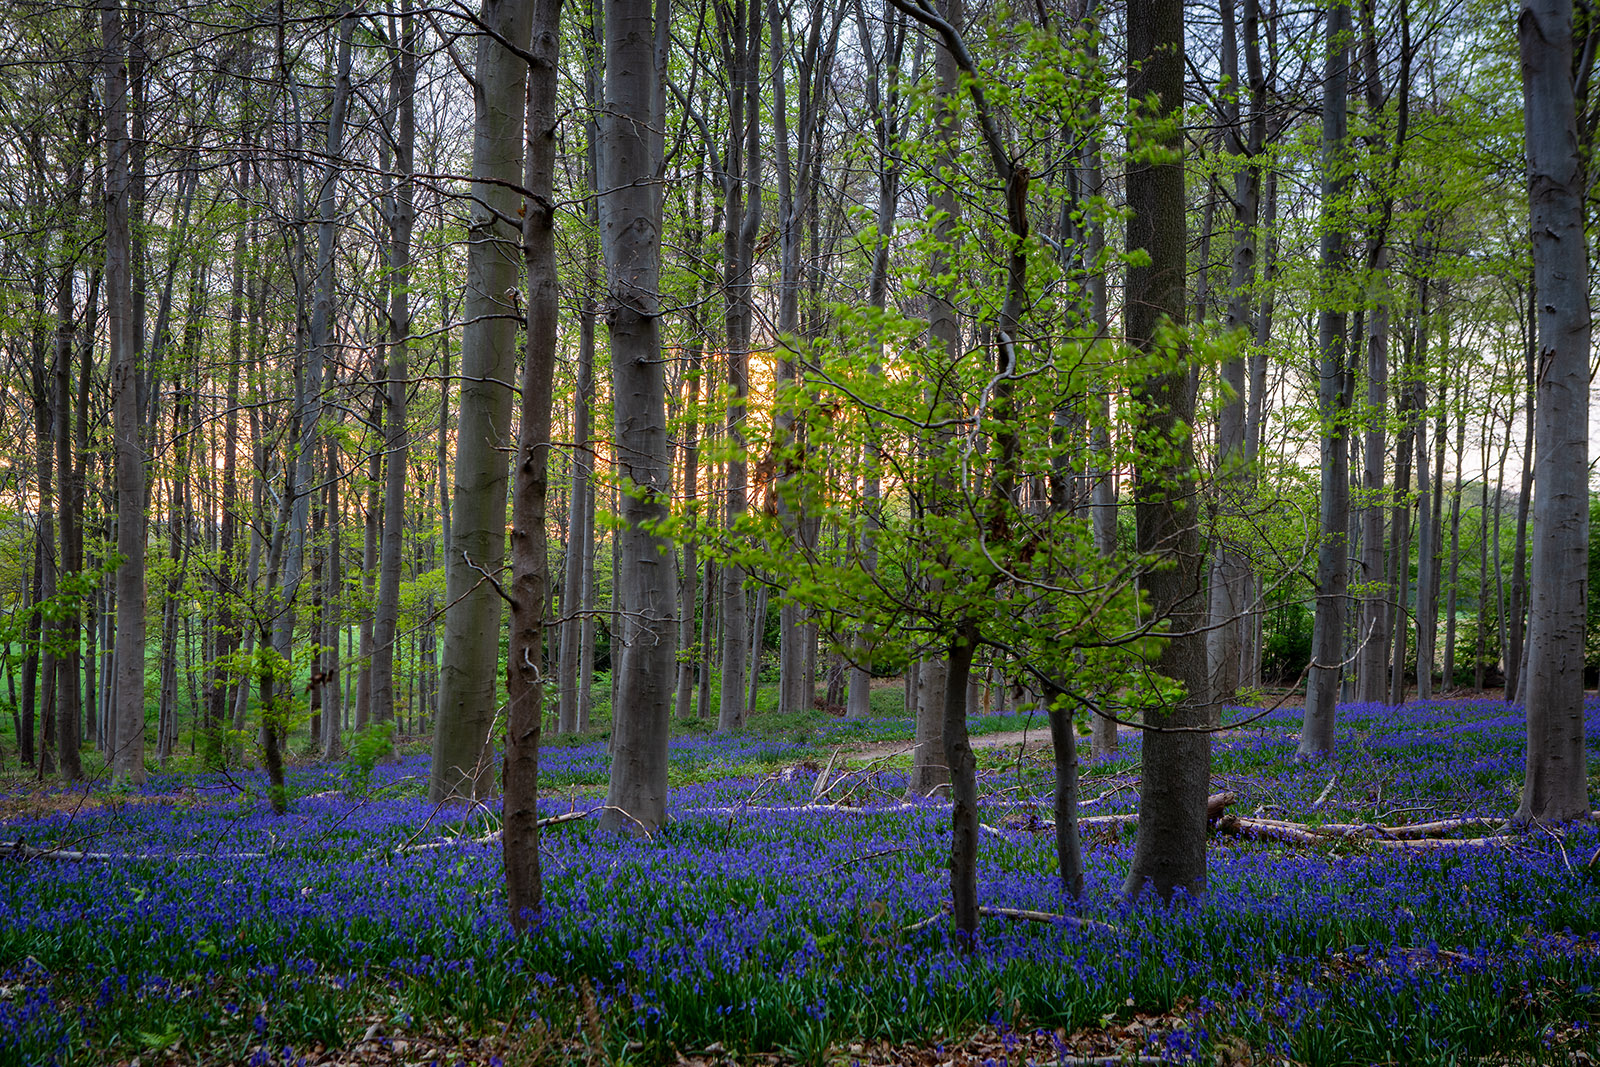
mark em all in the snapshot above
pixel 764 923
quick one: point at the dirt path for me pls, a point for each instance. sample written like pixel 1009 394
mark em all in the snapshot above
pixel 1037 739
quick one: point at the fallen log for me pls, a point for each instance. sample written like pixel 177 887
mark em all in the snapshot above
pixel 1267 830
pixel 1458 842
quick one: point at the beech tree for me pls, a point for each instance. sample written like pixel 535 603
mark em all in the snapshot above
pixel 1555 782
pixel 468 675
pixel 127 737
pixel 1335 386
pixel 630 238
pixel 1175 762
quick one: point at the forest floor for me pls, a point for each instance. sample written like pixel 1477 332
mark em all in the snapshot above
pixel 1364 909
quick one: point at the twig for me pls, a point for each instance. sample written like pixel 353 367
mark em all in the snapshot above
pixel 868 856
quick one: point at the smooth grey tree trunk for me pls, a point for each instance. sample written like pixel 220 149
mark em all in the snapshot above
pixel 1333 402
pixel 930 772
pixel 1425 563
pixel 371 532
pixel 578 579
pixel 929 768
pixel 70 556
pixel 689 575
pixel 1230 568
pixel 1555 786
pixel 127 717
pixel 742 35
pixel 469 673
pixel 1515 615
pixel 402 213
pixel 1373 657
pixel 1409 414
pixel 758 638
pixel 575 665
pixel 1428 621
pixel 1175 763
pixel 333 619
pixel 1103 491
pixel 630 241
pixel 1452 584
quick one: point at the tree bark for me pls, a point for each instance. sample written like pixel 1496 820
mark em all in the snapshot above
pixel 1452 584
pixel 929 767
pixel 127 742
pixel 530 568
pixel 1373 657
pixel 468 688
pixel 1170 855
pixel 963 785
pixel 1333 402
pixel 402 214
pixel 1230 568
pixel 1555 786
pixel 742 35
pixel 1515 615
pixel 630 235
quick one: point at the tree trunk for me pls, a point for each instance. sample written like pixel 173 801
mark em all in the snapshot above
pixel 1064 743
pixel 127 744
pixel 689 576
pixel 402 214
pixel 1230 569
pixel 371 532
pixel 1333 402
pixel 758 638
pixel 332 615
pixel 963 783
pixel 742 55
pixel 930 769
pixel 70 557
pixel 530 567
pixel 1452 584
pixel 630 233
pixel 1555 783
pixel 1519 553
pixel 468 675
pixel 1409 411
pixel 44 629
pixel 578 581
pixel 1376 612
pixel 1170 855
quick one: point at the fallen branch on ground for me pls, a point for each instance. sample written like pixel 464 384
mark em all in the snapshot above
pixel 1018 915
pixel 491 836
pixel 19 850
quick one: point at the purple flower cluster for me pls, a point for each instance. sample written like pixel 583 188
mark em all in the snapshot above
pixel 759 920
